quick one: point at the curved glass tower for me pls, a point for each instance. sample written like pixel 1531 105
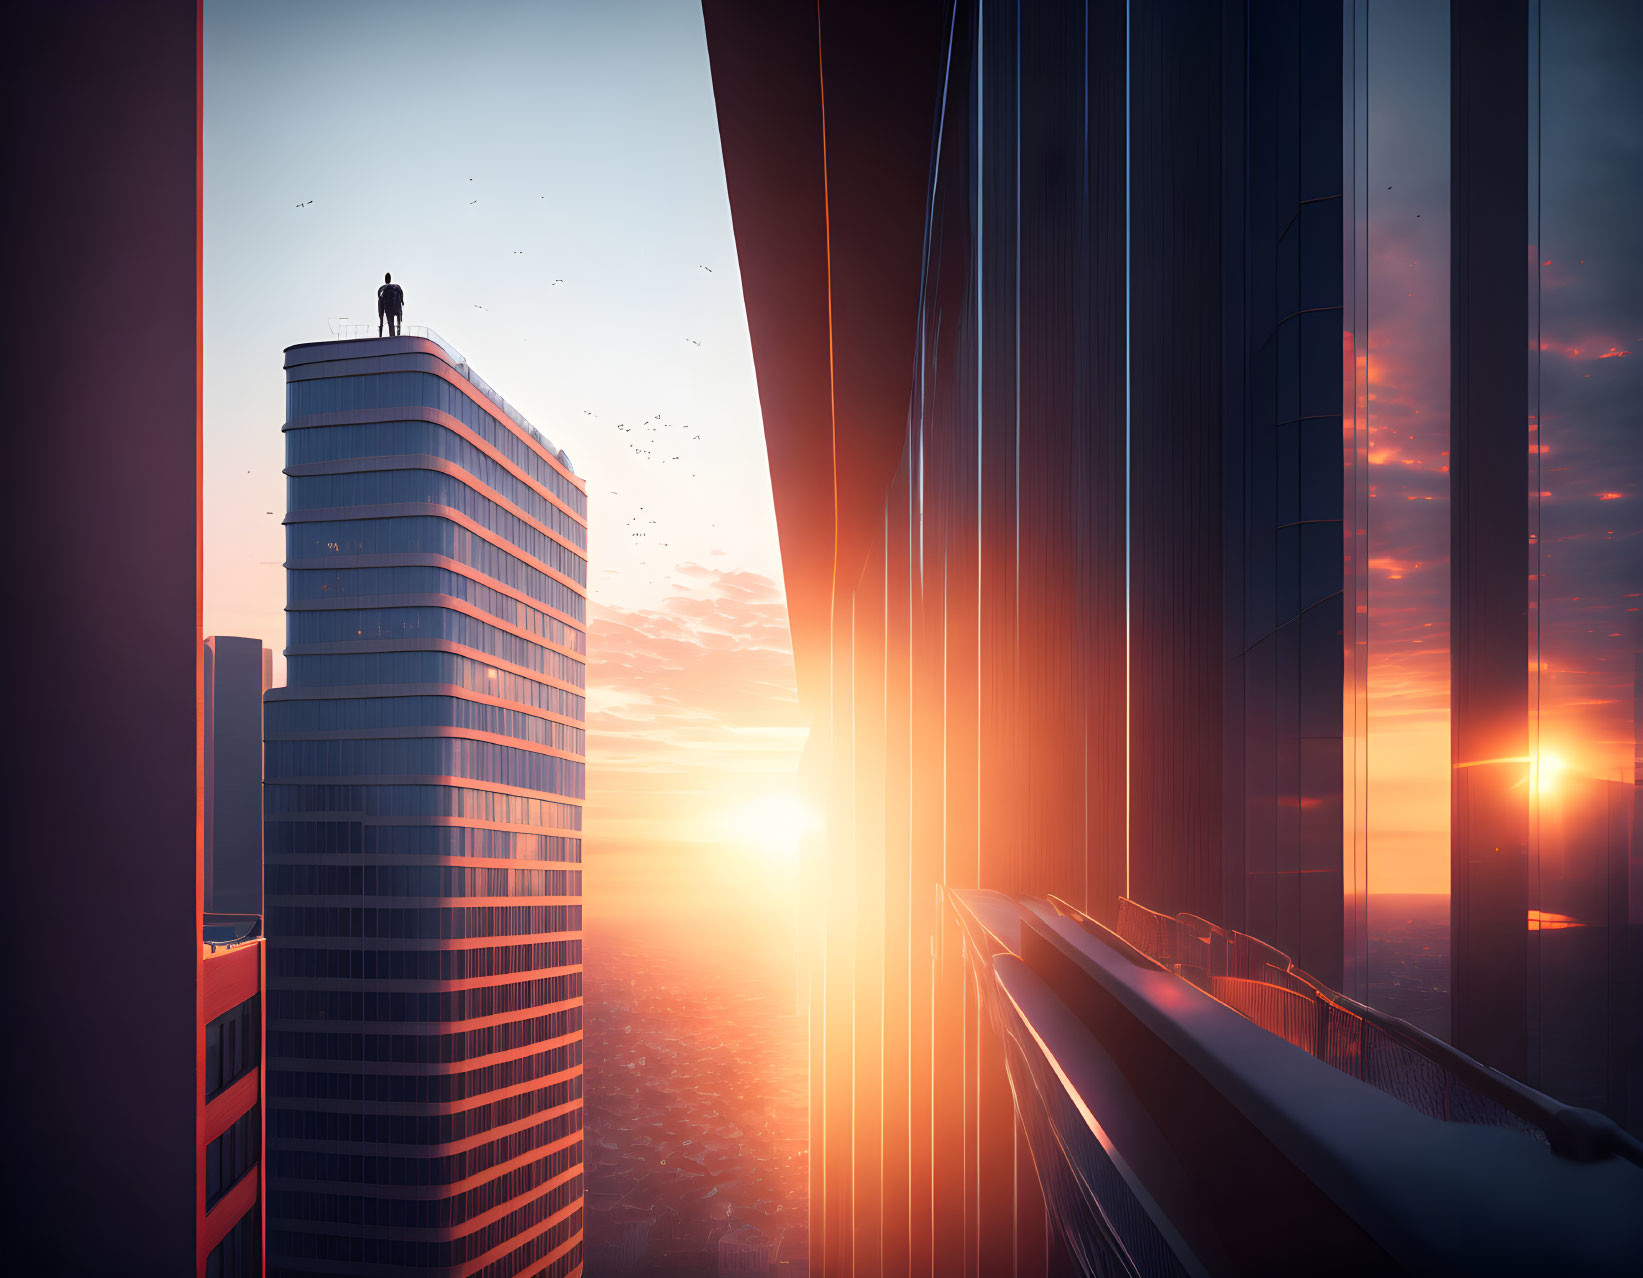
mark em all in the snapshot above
pixel 424 793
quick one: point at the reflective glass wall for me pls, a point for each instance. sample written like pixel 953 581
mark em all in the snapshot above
pixel 1397 468
pixel 1493 555
pixel 1586 553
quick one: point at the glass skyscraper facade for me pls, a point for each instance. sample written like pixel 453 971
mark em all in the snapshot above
pixel 1204 445
pixel 425 779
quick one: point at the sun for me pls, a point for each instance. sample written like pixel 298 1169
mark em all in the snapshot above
pixel 775 825
pixel 1546 773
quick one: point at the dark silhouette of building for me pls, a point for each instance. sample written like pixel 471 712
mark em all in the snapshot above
pixel 237 673
pixel 1051 317
pixel 109 1015
pixel 424 813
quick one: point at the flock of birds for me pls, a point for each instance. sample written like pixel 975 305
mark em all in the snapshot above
pixel 646 451
pixel 638 527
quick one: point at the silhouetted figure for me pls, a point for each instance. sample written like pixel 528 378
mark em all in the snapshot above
pixel 390 305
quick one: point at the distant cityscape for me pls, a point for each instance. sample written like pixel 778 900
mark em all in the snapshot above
pixel 696 1113
pixel 1409 959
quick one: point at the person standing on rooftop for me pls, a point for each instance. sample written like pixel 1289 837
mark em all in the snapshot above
pixel 390 305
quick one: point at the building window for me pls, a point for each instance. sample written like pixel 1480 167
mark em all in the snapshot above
pixel 232 1154
pixel 232 1045
pixel 239 1254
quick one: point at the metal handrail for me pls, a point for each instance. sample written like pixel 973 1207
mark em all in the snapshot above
pixel 252 932
pixel 1580 1134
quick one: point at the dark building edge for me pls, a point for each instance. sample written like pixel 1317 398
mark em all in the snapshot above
pixel 104 820
pixel 1489 531
pixel 1234 364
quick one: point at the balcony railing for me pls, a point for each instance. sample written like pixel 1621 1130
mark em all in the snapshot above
pixel 1263 985
pixel 1174 1135
pixel 225 931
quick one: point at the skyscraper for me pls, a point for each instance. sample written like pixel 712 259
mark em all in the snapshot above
pixel 237 673
pixel 425 780
pixel 1105 396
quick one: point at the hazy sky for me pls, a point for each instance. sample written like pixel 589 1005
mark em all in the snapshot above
pixel 482 152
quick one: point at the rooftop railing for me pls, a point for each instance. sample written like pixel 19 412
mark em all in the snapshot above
pixel 225 931
pixel 1177 1133
pixel 1261 983
pixel 343 330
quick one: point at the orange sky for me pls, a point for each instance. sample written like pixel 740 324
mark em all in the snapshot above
pixel 1408 487
pixel 693 726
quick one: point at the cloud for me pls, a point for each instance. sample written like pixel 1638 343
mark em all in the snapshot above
pixel 692 713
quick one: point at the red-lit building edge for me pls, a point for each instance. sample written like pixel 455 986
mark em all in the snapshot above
pixel 230 974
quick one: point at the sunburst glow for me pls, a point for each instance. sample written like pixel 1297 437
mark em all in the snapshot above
pixel 775 825
pixel 1547 769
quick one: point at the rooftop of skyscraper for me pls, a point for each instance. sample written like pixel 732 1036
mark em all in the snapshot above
pixel 348 332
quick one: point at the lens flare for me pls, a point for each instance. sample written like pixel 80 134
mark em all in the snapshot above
pixel 775 825
pixel 1547 769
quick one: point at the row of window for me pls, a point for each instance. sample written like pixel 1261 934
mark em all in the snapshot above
pixel 427 757
pixel 375 669
pixel 371 625
pixel 511 1226
pixel 363 714
pixel 420 801
pixel 428 439
pixel 432 488
pixel 565 1265
pixel 310 584
pixel 426 924
pixel 423 1049
pixel 301 963
pixel 507 1267
pixel 232 1042
pixel 239 1254
pixel 444 1007
pixel 424 1129
pixel 401 535
pixel 444 881
pixel 379 1212
pixel 442 1169
pixel 399 1255
pixel 350 1127
pixel 534 1248
pixel 394 390
pixel 424 1088
pixel 232 1154
pixel 355 838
